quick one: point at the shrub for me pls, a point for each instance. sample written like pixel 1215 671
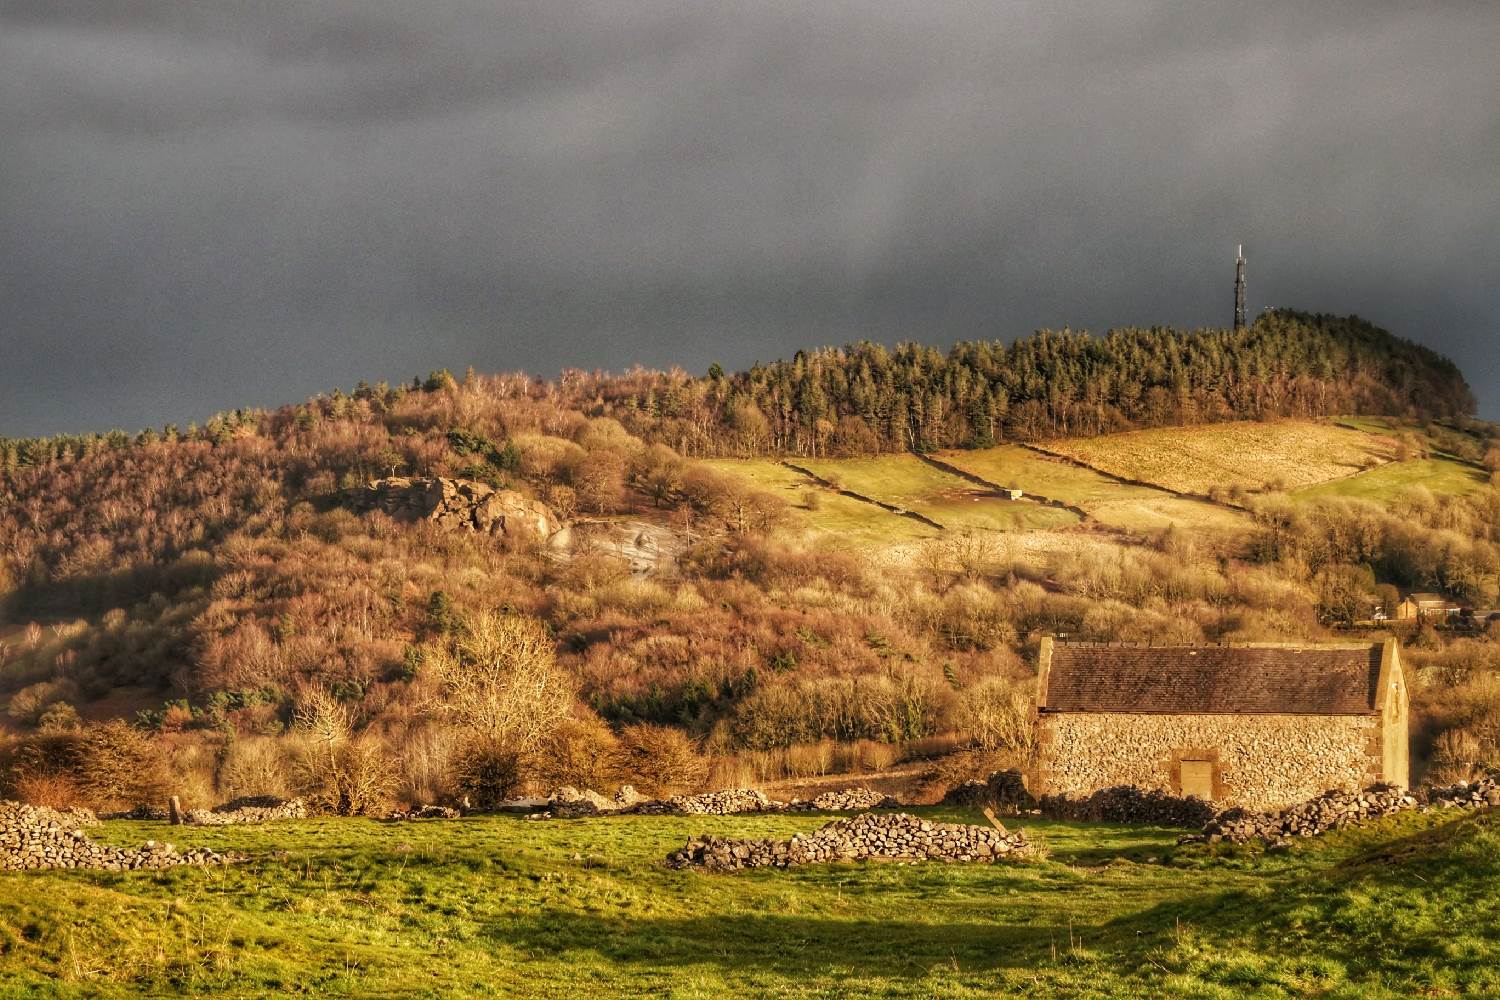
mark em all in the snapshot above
pixel 500 681
pixel 579 752
pixel 997 715
pixel 486 773
pixel 255 765
pixel 660 761
pixel 59 717
pixel 111 766
pixel 336 769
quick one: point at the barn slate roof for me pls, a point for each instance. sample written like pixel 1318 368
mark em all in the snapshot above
pixel 1335 679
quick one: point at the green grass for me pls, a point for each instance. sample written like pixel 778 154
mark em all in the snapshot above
pixel 1120 505
pixel 840 519
pixel 1386 483
pixel 911 484
pixel 499 906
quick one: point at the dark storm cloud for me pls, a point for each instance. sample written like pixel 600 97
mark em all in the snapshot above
pixel 219 203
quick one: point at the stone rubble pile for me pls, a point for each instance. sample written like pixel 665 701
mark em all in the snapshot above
pixel 868 836
pixel 1336 809
pixel 34 838
pixel 1003 790
pixel 1128 804
pixel 847 800
pixel 1471 794
pixel 249 809
pixel 1332 810
pixel 456 504
pixel 425 812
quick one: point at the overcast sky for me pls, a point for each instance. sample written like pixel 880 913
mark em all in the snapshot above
pixel 218 203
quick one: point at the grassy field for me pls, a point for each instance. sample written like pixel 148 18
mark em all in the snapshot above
pixel 1386 483
pixel 911 484
pixel 499 906
pixel 837 517
pixel 1132 508
pixel 1287 454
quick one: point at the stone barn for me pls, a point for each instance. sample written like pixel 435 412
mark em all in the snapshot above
pixel 1259 725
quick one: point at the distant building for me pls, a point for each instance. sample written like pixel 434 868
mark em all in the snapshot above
pixel 1258 725
pixel 1427 607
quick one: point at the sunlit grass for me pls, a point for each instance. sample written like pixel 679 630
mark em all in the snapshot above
pixel 500 906
pixel 1386 483
pixel 907 482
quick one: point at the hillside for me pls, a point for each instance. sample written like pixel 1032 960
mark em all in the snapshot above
pixel 790 613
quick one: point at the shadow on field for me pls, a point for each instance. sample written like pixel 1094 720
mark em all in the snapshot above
pixel 790 945
pixel 1426 889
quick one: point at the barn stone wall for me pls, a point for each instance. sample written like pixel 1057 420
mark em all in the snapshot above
pixel 1262 761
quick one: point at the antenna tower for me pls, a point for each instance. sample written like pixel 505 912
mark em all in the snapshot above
pixel 1239 288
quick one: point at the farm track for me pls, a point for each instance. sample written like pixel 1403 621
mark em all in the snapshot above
pixel 892 508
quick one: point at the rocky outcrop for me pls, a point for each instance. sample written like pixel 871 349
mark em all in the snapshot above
pixel 34 838
pixel 869 836
pixel 459 504
pixel 250 809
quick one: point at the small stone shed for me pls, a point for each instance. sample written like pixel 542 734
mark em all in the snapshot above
pixel 1259 725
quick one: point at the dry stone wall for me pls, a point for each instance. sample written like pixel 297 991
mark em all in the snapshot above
pixel 1336 809
pixel 868 836
pixel 1263 761
pixel 848 800
pixel 424 812
pixel 251 809
pixel 34 838
pixel 568 802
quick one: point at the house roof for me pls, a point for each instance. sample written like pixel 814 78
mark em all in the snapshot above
pixel 1429 599
pixel 1334 679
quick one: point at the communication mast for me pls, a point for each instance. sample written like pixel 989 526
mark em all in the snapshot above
pixel 1239 288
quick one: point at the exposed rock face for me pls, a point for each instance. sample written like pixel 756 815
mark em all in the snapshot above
pixel 34 837
pixel 251 809
pixel 457 504
pixel 887 836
